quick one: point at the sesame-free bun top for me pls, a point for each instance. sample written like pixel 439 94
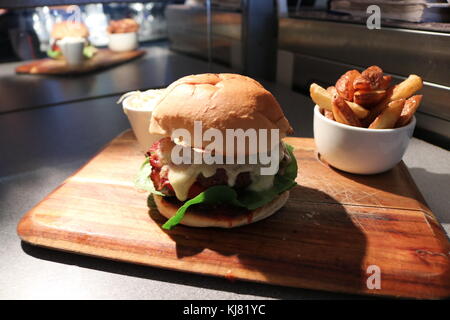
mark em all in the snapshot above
pixel 69 29
pixel 221 101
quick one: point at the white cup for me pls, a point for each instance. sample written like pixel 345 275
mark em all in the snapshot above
pixel 72 49
pixel 138 107
pixel 123 41
pixel 360 150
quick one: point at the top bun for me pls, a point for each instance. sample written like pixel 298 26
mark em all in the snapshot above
pixel 221 101
pixel 69 29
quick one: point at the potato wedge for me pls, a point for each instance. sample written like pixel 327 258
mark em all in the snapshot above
pixel 407 88
pixel 344 85
pixel 370 79
pixel 343 113
pixel 361 83
pixel 379 108
pixel 385 82
pixel 332 90
pixel 320 96
pixel 374 74
pixel 389 117
pixel 410 107
pixel 359 111
pixel 403 90
pixel 369 98
pixel 328 114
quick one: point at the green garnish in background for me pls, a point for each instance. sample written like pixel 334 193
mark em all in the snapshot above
pixel 89 51
pixel 53 54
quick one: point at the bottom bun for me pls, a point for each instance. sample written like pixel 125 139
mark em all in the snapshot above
pixel 229 217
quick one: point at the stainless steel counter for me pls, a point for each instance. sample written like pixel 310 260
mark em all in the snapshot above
pixel 42 147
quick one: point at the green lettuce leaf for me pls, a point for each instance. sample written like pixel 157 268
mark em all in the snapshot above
pixel 213 195
pixel 248 199
pixel 89 51
pixel 142 180
pixel 53 54
pixel 292 168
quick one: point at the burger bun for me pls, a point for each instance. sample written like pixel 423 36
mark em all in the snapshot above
pixel 72 29
pixel 227 219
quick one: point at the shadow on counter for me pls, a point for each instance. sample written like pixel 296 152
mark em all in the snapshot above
pixel 287 226
pixel 422 176
pixel 181 278
pixel 314 244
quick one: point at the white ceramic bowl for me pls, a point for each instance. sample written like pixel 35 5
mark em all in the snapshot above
pixel 123 41
pixel 360 150
pixel 139 117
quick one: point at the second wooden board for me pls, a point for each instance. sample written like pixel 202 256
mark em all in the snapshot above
pixel 104 58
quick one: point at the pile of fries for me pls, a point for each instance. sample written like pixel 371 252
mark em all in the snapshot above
pixel 368 100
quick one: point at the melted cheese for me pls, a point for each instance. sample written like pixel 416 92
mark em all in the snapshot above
pixel 181 177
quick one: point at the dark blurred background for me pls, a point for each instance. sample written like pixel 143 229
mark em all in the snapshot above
pixel 293 43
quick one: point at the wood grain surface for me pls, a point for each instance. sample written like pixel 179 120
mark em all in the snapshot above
pixel 333 228
pixel 102 59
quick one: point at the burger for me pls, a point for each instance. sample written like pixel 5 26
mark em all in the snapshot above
pixel 227 193
pixel 69 30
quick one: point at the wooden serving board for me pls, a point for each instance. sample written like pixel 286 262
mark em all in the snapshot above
pixel 102 59
pixel 333 227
